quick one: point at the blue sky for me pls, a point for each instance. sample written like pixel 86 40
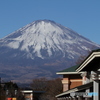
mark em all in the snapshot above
pixel 82 16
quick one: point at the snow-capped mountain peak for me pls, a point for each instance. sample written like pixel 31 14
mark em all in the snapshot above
pixel 44 35
pixel 41 48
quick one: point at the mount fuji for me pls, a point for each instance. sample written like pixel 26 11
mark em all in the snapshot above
pixel 40 49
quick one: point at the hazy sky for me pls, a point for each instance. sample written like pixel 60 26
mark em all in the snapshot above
pixel 82 16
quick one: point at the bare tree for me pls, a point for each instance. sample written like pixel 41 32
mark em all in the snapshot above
pixel 50 87
pixel 39 84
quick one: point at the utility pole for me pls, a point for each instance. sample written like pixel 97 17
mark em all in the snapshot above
pixel 0 80
pixel 0 88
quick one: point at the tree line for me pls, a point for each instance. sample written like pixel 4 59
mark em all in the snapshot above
pixel 48 88
pixel 10 89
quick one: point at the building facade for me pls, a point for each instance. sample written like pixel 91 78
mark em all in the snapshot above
pixel 89 70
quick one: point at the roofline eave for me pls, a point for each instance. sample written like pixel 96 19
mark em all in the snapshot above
pixel 85 86
pixel 62 73
pixel 88 60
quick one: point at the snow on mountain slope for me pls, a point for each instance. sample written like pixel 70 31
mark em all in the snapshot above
pixel 43 45
pixel 45 35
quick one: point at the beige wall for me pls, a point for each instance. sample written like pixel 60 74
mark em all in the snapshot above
pixel 71 81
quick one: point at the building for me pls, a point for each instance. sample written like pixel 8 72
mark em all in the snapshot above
pixel 28 94
pixel 32 95
pixel 89 70
pixel 71 78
